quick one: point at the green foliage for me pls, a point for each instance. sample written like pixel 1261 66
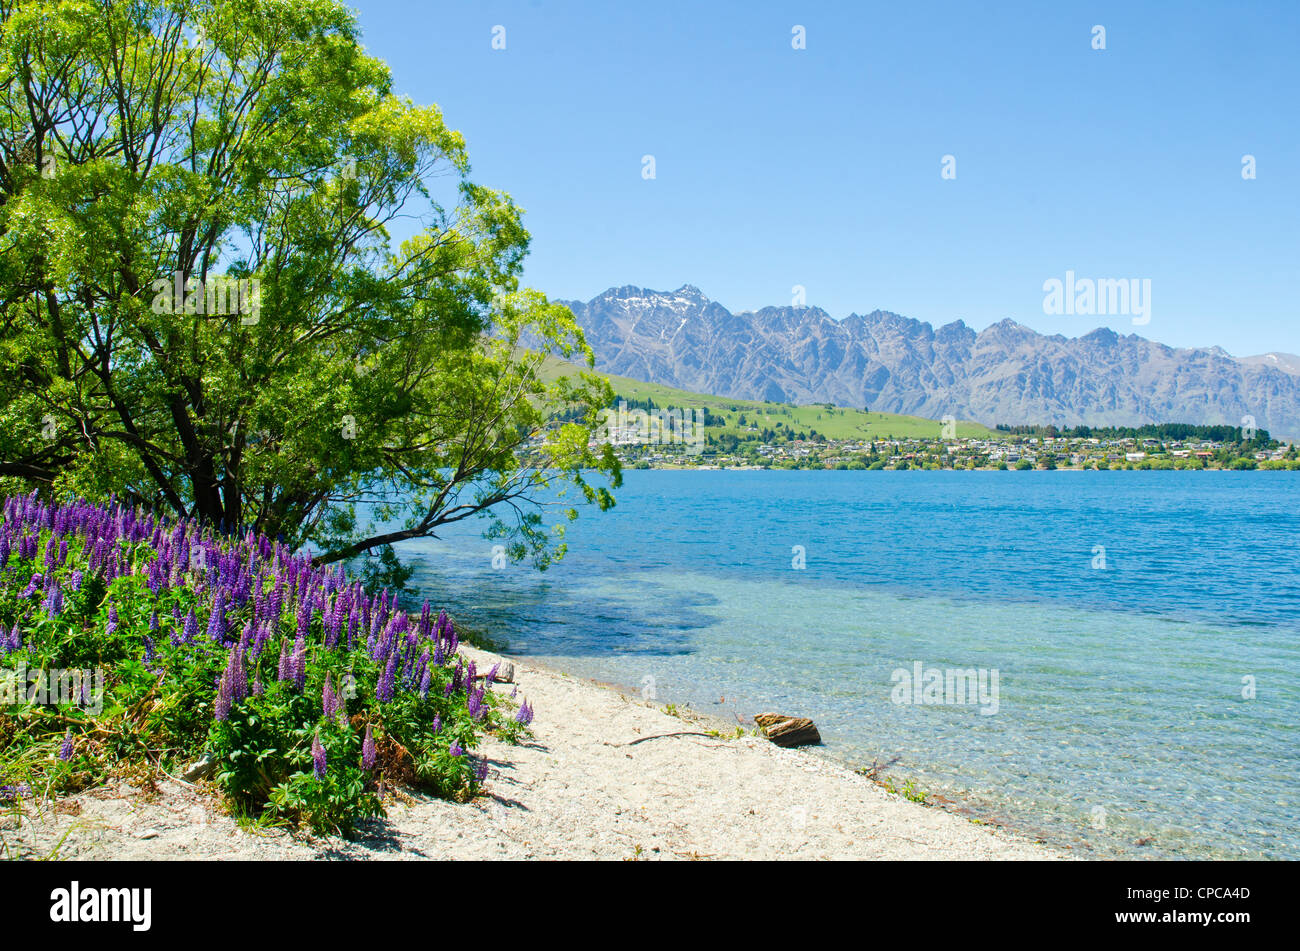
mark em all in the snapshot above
pixel 330 805
pixel 256 142
pixel 159 696
pixel 380 568
pixel 1165 432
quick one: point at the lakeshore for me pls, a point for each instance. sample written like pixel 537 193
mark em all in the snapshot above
pixel 607 776
pixel 1121 615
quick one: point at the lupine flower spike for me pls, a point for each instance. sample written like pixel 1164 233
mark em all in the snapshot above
pixel 525 714
pixel 318 757
pixel 368 750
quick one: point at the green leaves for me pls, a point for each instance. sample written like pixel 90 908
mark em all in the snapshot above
pixel 196 142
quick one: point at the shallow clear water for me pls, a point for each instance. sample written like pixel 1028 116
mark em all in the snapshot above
pixel 1120 712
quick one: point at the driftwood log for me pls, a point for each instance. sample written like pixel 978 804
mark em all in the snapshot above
pixel 785 730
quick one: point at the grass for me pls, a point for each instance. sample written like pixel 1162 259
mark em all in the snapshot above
pixel 909 790
pixel 728 735
pixel 833 422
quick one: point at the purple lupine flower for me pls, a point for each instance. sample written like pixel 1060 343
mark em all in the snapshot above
pixel 149 654
pixel 284 671
pixel 191 630
pixel 305 613
pixel 258 689
pixel 112 620
pixel 236 674
pixel 300 663
pixel 217 619
pixel 276 606
pixel 354 618
pixel 331 622
pixel 480 770
pixel 65 751
pixel 260 636
pixel 221 709
pixel 368 750
pixel 53 602
pixel 456 749
pixel 155 577
pixel 474 704
pixel 332 702
pixel 408 669
pixel 525 714
pixel 384 690
pixel 437 724
pixel 426 682
pixel 491 676
pixel 318 757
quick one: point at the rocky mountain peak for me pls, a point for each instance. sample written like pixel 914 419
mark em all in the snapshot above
pixel 1005 373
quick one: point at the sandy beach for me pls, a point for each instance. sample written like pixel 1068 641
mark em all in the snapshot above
pixel 604 778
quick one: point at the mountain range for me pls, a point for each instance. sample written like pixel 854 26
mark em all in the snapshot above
pixel 1005 373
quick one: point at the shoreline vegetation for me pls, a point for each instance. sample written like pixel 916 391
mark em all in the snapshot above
pixel 606 776
pixel 173 693
pixel 134 646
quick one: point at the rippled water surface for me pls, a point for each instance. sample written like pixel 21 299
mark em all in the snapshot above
pixel 1122 711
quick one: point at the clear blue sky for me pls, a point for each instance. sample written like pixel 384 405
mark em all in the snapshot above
pixel 821 167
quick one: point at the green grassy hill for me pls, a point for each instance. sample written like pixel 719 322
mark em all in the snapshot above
pixel 838 422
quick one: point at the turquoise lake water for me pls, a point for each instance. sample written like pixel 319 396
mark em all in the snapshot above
pixel 1144 628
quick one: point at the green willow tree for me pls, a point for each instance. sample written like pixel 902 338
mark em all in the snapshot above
pixel 203 309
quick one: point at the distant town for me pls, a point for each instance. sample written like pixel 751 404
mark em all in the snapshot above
pixel 651 437
pixel 1013 452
